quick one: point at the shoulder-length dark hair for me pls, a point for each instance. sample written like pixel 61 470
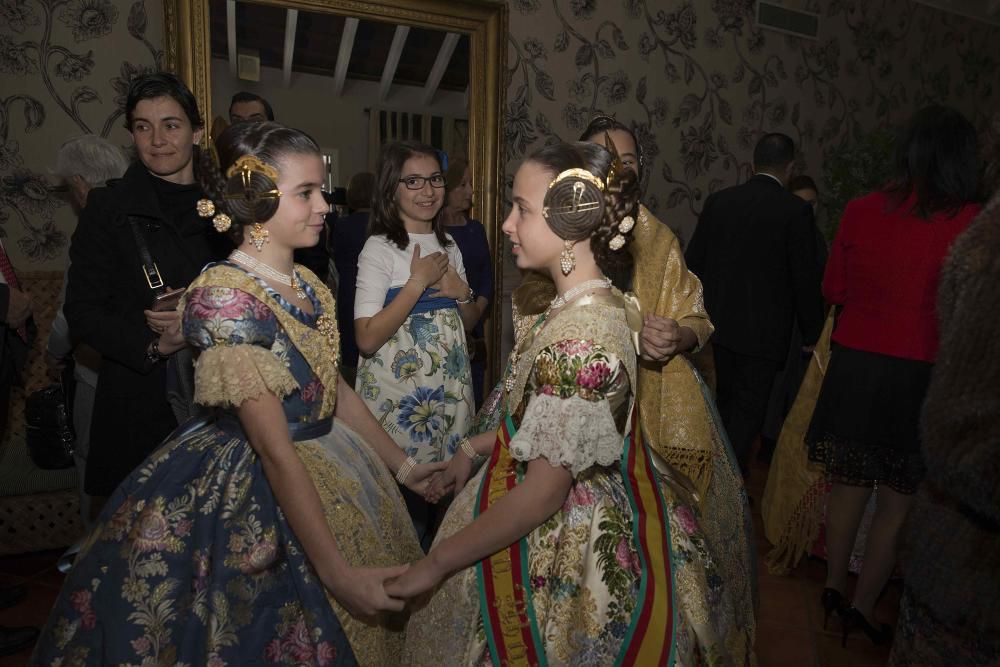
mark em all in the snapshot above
pixel 937 162
pixel 384 219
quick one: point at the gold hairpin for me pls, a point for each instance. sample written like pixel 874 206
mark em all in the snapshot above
pixel 576 172
pixel 252 163
pixel 246 166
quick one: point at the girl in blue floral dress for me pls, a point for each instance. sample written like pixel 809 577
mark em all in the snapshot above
pixel 411 309
pixel 246 537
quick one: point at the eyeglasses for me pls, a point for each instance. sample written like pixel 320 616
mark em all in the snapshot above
pixel 418 182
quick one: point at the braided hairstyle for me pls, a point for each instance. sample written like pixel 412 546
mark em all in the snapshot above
pixel 619 198
pixel 267 141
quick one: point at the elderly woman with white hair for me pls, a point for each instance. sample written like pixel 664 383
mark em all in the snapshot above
pixel 82 163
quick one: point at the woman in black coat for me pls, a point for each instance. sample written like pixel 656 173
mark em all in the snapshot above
pixel 108 297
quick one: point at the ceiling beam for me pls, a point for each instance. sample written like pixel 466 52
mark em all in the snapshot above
pixel 231 35
pixel 344 55
pixel 440 66
pixel 291 21
pixel 392 62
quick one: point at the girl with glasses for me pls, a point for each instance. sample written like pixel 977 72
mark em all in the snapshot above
pixel 412 306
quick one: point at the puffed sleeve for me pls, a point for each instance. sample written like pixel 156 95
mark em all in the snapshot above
pixel 235 333
pixel 569 418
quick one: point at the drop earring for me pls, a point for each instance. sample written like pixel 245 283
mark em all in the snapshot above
pixel 567 260
pixel 258 236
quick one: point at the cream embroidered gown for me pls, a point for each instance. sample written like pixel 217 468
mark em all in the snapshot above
pixel 570 403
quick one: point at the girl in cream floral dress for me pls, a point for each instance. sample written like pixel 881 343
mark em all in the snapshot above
pixel 575 544
pixel 410 308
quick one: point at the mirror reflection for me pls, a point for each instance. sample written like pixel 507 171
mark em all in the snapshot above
pixel 353 84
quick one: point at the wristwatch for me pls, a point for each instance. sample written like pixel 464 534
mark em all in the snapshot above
pixel 469 299
pixel 153 354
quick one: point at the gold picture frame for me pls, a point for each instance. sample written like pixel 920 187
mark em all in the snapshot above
pixel 187 52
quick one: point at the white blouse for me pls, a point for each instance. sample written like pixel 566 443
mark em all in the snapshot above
pixel 382 266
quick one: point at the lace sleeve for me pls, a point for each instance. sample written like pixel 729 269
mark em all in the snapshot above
pixel 235 332
pixel 569 419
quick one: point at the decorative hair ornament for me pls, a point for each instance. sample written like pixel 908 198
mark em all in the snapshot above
pixel 252 163
pixel 205 208
pixel 626 225
pixel 573 195
pixel 616 169
pixel 222 222
pixel 616 242
pixel 245 167
pixel 567 260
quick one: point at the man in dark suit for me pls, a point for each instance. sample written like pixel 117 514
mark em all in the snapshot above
pixel 755 252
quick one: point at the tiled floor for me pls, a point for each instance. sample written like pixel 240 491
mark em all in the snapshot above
pixel 789 622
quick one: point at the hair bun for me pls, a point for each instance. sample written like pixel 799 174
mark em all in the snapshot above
pixel 574 204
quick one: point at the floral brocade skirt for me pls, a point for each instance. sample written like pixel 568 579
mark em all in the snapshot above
pixel 193 563
pixel 584 576
pixel 419 385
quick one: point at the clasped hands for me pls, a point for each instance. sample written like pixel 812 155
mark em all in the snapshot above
pixel 386 589
pixel 434 271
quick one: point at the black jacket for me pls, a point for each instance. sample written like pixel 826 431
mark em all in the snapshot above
pixel 106 293
pixel 755 252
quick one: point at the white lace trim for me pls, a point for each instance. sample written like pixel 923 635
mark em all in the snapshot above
pixel 571 432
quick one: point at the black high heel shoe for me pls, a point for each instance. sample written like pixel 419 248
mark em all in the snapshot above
pixel 832 601
pixel 855 619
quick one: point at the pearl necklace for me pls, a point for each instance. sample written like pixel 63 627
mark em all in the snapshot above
pixel 586 286
pixel 266 271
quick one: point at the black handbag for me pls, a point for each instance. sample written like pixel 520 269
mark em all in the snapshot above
pixel 49 428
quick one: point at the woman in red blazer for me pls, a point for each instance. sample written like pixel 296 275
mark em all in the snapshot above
pixel 882 274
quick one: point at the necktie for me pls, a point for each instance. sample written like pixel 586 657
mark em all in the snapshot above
pixel 7 269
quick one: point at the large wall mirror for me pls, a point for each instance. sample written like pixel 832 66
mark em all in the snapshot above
pixel 356 74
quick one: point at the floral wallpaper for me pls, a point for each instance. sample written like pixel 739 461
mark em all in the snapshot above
pixel 65 67
pixel 697 80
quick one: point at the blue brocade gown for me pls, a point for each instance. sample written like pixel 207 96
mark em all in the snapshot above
pixel 192 561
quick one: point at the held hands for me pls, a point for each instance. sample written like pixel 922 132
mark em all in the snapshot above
pixel 452 479
pixel 660 338
pixel 427 270
pixel 421 577
pixel 362 590
pixel 424 475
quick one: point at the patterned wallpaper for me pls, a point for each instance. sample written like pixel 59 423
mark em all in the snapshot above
pixel 65 66
pixel 696 79
pixel 699 82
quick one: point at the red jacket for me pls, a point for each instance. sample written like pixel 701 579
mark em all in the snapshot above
pixel 883 269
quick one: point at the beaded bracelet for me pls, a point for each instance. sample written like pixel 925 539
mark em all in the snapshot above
pixel 405 469
pixel 466 447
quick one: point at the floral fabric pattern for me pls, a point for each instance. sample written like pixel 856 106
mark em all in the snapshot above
pixel 192 562
pixel 582 564
pixel 419 385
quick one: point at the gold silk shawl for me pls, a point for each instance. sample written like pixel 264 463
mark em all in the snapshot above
pixel 320 345
pixel 794 496
pixel 675 416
